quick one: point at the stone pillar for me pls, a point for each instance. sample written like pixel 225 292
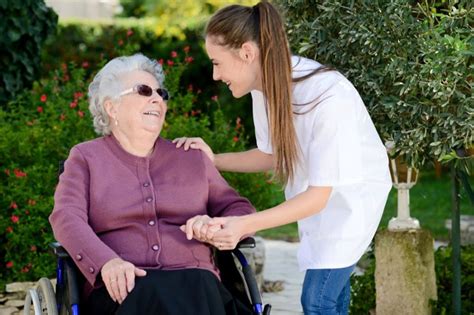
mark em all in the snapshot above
pixel 405 278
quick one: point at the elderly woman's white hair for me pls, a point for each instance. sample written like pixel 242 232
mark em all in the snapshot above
pixel 107 85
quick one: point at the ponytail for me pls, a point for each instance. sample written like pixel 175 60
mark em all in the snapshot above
pixel 263 24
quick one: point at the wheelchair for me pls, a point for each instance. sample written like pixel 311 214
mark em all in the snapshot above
pixel 65 300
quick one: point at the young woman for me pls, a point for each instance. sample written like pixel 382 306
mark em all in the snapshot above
pixel 314 132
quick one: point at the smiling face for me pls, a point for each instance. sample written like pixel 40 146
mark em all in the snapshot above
pixel 238 68
pixel 138 115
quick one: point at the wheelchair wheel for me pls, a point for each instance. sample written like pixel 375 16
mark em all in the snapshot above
pixel 31 297
pixel 44 297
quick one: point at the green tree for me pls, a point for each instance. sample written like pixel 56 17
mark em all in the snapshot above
pixel 410 60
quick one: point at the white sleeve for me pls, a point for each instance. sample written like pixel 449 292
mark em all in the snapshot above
pixel 335 152
pixel 260 121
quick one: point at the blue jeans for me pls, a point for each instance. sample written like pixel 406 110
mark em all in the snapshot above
pixel 326 291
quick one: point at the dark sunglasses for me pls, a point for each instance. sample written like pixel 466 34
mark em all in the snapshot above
pixel 145 90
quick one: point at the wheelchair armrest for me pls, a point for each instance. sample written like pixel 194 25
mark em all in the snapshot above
pixel 59 250
pixel 248 242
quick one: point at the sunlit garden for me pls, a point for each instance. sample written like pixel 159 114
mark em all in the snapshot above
pixel 410 61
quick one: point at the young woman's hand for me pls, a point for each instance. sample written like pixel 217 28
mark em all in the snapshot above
pixel 195 143
pixel 231 231
pixel 118 276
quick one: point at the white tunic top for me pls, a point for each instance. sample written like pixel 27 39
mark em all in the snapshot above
pixel 340 148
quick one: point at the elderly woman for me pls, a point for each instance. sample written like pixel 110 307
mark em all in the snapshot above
pixel 122 198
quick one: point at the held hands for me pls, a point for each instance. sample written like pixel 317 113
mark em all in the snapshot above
pixel 194 143
pixel 118 276
pixel 223 232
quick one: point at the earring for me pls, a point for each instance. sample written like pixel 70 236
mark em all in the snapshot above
pixel 116 122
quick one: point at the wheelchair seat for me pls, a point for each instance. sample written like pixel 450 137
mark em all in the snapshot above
pixel 65 299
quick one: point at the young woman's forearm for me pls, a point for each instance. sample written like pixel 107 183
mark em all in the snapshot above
pixel 301 206
pixel 251 161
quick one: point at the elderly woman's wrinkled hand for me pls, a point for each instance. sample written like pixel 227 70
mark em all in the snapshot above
pixel 198 227
pixel 118 276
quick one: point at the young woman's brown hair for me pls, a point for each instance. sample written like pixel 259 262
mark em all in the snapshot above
pixel 234 25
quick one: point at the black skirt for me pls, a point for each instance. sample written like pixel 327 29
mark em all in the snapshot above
pixel 170 292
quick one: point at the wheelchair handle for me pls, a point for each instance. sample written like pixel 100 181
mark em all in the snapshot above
pixel 248 242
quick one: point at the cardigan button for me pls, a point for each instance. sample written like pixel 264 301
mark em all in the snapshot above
pixel 91 270
pixel 79 257
pixel 149 199
pixel 146 184
pixel 151 222
pixel 155 247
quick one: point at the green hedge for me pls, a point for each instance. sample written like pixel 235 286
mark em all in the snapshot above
pixel 40 127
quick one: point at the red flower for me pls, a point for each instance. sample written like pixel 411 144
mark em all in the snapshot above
pixel 19 173
pixel 235 139
pixel 15 218
pixel 161 61
pixel 120 42
pixel 129 33
pixel 78 95
pixel 186 49
pixel 27 212
pixel 170 62
pixel 80 113
pixel 43 98
pixel 62 117
pixel 31 202
pixel 174 54
pixel 7 171
pixel 9 229
pixel 9 264
pixel 73 104
pixel 25 269
pixel 13 205
pixel 33 248
pixel 85 64
pixel 189 59
pixel 190 88
pixel 66 78
pixel 39 109
pixel 214 98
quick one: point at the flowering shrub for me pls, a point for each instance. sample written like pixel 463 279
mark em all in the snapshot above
pixel 40 126
pixel 37 132
pixel 88 44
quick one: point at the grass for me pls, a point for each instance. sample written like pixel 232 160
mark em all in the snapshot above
pixel 430 203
